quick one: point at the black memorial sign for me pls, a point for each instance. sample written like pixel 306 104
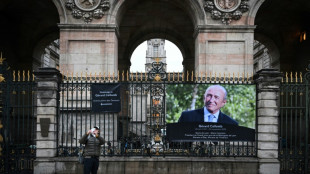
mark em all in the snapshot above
pixel 208 132
pixel 106 98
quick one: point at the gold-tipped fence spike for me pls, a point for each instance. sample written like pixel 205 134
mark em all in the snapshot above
pixel 127 73
pixel 183 76
pixel 224 77
pixel 81 75
pixel 123 76
pixel 300 75
pixel 103 76
pixel 28 76
pixel 118 75
pixel 77 76
pixel 291 75
pixel 131 75
pixel 282 78
pixel 187 76
pixel 210 75
pixel 109 76
pixel 233 76
pixel 220 77
pixel 13 75
pixel 215 76
pixel 136 76
pixel 196 76
pixel 86 76
pixel 242 77
pixel 173 76
pixel 24 77
pixel 296 77
pixel 168 76
pixel 229 76
pixel 18 75
pixel 141 76
pixel 206 76
pixel 247 77
pixel 286 77
pixel 113 76
pixel 72 76
pixel 95 76
pixel 178 78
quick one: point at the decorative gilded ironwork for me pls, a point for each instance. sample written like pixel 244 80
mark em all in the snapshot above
pixel 2 59
pixel 2 79
pixel 294 128
pixel 157 72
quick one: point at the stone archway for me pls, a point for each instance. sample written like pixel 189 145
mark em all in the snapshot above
pixel 172 20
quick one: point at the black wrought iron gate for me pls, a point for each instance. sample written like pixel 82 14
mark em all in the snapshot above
pixel 17 120
pixel 294 147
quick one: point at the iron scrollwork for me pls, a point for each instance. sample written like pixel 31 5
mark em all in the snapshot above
pixel 157 72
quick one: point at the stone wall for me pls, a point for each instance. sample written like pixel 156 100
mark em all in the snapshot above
pixel 171 165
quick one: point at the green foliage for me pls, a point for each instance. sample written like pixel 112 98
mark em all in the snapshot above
pixel 240 105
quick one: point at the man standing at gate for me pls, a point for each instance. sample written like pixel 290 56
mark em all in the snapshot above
pixel 93 142
pixel 215 98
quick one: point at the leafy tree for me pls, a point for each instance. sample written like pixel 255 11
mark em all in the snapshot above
pixel 240 105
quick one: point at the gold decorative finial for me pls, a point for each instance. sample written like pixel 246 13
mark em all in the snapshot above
pixel 1 59
pixel 2 79
pixel 157 78
pixel 157 60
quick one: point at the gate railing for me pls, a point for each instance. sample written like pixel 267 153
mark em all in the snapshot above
pixel 139 128
pixel 294 123
pixel 17 120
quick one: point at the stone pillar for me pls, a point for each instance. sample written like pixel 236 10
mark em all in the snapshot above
pixel 268 88
pixel 47 98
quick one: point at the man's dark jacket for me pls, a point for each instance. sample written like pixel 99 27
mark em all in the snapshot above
pixel 198 116
pixel 92 145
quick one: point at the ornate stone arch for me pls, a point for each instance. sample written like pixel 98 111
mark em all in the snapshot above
pixel 61 11
pixel 254 7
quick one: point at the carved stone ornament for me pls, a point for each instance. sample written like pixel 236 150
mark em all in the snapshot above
pixel 88 9
pixel 226 10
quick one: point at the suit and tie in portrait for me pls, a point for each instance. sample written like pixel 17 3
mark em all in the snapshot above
pixel 215 98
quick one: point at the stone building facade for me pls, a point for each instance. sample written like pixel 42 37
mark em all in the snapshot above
pixel 214 36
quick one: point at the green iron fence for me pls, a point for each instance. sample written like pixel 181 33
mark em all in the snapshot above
pixel 294 124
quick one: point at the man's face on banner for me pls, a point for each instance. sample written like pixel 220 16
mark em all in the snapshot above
pixel 214 99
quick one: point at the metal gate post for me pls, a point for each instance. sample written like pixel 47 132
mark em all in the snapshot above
pixel 268 87
pixel 48 80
